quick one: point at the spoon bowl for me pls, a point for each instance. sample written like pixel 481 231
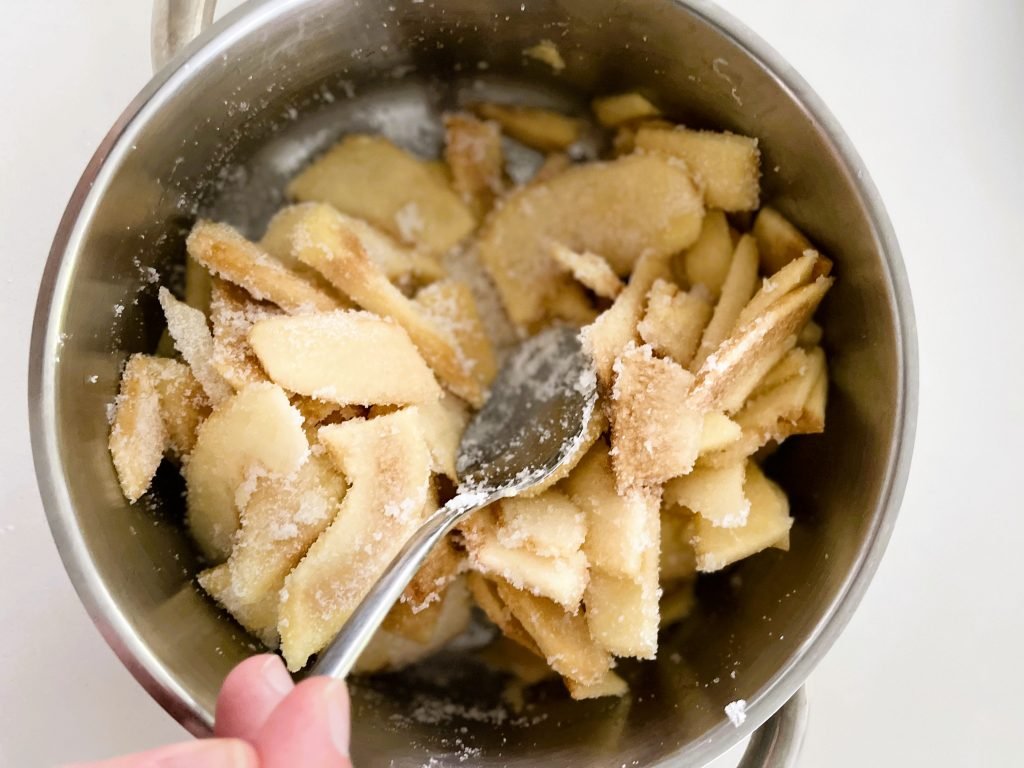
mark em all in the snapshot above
pixel 218 133
pixel 537 413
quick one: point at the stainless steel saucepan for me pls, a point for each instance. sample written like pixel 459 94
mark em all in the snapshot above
pixel 217 132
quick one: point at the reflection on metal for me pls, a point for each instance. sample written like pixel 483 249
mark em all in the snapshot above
pixel 293 76
pixel 175 23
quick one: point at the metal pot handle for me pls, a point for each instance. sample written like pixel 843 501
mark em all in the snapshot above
pixel 175 24
pixel 776 744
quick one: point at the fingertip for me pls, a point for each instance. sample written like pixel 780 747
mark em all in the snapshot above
pixel 207 753
pixel 339 718
pixel 244 754
pixel 210 753
pixel 309 728
pixel 276 675
pixel 249 694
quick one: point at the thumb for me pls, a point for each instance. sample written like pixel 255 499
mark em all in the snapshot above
pixel 309 728
pixel 207 753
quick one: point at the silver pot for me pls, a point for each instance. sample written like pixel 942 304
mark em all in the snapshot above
pixel 234 115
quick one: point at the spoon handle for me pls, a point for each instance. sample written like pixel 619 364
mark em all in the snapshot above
pixel 338 658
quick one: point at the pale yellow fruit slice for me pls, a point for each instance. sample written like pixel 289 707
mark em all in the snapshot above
pixel 610 684
pixel 165 345
pixel 279 521
pixel 719 432
pixel 439 170
pixel 567 302
pixel 316 412
pixel 349 358
pixel 561 579
pixel 402 265
pixel 232 315
pixel 800 271
pixel 726 164
pixel 678 560
pixel 408 624
pixel 542 129
pixel 562 638
pixel 472 149
pixel 618 527
pixel 796 362
pixel 782 543
pixel 444 420
pixel 795 405
pixel 442 566
pixel 198 284
pixel 619 209
pixel 622 611
pixel 655 436
pixel 674 321
pixel 485 594
pixel 553 165
pixel 589 269
pixel 546 52
pixel 810 335
pixel 222 250
pixel 778 241
pixel 134 438
pixel 739 286
pixel 193 340
pixel 812 420
pixel 397 645
pixel 716 494
pixel 370 178
pixel 767 523
pixel 505 655
pixel 387 464
pixel 728 375
pixel 624 141
pixel 549 525
pixel 707 261
pixel 677 601
pixel 279 237
pixel 183 402
pixel 252 433
pixel 138 436
pixel 616 327
pixel 278 242
pixel 612 111
pixel 337 253
pixel 450 306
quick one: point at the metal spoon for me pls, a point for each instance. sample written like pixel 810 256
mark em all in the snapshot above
pixel 535 417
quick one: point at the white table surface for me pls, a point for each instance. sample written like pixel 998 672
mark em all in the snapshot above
pixel 929 672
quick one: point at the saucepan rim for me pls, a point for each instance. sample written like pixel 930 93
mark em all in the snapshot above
pixel 102 606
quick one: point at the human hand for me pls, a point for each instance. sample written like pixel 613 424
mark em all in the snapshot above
pixel 263 720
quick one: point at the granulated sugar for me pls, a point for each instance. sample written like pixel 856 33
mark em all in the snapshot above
pixel 736 711
pixel 430 710
pixel 409 222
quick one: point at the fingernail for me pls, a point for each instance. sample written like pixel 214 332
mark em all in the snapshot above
pixel 197 754
pixel 338 715
pixel 178 756
pixel 276 677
